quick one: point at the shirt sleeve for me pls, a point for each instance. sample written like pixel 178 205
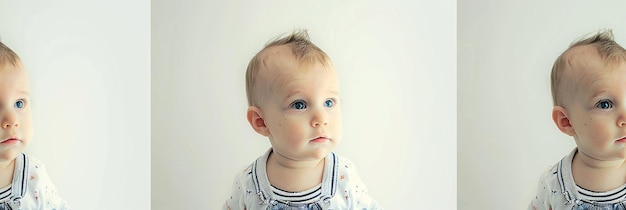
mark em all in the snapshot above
pixel 361 197
pixel 236 200
pixel 542 198
pixel 356 190
pixel 44 190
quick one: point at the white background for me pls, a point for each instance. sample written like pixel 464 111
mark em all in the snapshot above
pixel 396 64
pixel 506 136
pixel 89 69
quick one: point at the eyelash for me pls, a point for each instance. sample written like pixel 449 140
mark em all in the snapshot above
pixel 296 102
pixel 305 105
pixel 601 102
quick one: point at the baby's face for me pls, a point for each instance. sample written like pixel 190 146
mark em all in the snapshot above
pixel 597 111
pixel 302 113
pixel 15 113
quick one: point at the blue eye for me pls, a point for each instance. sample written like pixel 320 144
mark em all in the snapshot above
pixel 298 105
pixel 604 104
pixel 19 104
pixel 329 103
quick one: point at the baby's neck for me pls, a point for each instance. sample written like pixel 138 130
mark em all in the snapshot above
pixel 598 175
pixel 6 172
pixel 292 175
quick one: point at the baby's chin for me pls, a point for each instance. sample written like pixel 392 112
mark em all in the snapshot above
pixel 8 155
pixel 316 154
pixel 622 153
pixel 322 152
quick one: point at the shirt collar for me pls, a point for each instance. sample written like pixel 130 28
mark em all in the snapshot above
pixel 262 184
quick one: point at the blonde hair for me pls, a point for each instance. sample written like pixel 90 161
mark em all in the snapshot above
pixel 8 56
pixel 608 49
pixel 304 51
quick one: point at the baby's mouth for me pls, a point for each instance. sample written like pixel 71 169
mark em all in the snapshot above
pixel 9 140
pixel 622 140
pixel 320 139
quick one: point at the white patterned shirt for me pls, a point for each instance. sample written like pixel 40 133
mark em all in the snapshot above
pixel 341 188
pixel 31 188
pixel 557 190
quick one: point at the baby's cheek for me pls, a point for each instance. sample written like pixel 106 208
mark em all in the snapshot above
pixel 599 134
pixel 292 132
pixel 337 128
pixel 337 134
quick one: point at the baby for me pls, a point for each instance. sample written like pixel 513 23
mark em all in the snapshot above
pixel 24 183
pixel 293 98
pixel 589 94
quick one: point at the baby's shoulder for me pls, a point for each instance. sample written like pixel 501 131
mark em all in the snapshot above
pixel 245 172
pixel 41 191
pixel 549 175
pixel 35 163
pixel 551 172
pixel 243 177
pixel 548 182
pixel 36 169
pixel 350 187
pixel 347 171
pixel 37 174
pixel 345 164
pixel 342 159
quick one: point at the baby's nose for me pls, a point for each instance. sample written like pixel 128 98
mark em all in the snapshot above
pixel 9 120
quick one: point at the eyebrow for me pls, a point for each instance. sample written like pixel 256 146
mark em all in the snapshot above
pixel 597 93
pixel 24 92
pixel 597 84
pixel 291 94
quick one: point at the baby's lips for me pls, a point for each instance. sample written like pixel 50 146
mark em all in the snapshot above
pixel 320 139
pixel 9 138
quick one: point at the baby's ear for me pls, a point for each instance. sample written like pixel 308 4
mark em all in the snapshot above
pixel 255 119
pixel 559 116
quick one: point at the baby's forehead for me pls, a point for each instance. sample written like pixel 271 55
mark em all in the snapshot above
pixel 584 56
pixel 583 61
pixel 8 67
pixel 279 63
pixel 586 67
pixel 13 76
pixel 277 57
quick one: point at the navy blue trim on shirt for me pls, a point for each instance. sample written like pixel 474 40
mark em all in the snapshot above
pixel 333 186
pixel 602 196
pixel 264 191
pixel 6 193
pixel 24 174
pixel 289 194
pixel 559 172
pixel 19 184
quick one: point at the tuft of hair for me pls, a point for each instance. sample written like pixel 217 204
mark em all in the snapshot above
pixel 610 51
pixel 304 51
pixel 8 56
